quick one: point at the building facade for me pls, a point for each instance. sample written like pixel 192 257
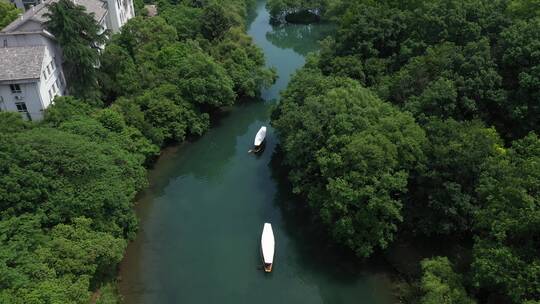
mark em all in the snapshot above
pixel 31 72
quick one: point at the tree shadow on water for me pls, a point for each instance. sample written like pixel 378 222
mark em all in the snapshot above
pixel 303 39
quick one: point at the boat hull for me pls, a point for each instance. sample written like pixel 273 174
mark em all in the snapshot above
pixel 259 148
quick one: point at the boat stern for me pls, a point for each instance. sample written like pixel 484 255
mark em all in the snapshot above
pixel 267 267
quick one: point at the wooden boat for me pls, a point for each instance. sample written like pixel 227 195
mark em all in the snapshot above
pixel 267 247
pixel 259 140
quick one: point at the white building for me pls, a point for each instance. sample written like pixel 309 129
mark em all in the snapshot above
pixel 31 60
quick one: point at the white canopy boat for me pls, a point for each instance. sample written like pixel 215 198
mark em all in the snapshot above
pixel 259 140
pixel 267 247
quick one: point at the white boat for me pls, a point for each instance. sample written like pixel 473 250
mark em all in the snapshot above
pixel 267 247
pixel 259 140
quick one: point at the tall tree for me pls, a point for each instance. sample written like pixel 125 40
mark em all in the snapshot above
pixel 440 284
pixel 215 21
pixel 349 154
pixel 443 198
pixel 81 38
pixel 506 251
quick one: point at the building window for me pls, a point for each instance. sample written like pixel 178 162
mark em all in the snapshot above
pixel 15 88
pixel 5 43
pixel 48 70
pixel 21 107
pixel 44 75
pixel 50 94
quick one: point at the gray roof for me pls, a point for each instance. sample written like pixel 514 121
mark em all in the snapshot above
pixel 98 7
pixel 37 13
pixel 21 62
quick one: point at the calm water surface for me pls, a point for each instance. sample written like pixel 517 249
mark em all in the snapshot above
pixel 202 216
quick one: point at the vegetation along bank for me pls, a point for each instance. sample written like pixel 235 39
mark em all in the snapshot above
pixel 419 119
pixel 68 183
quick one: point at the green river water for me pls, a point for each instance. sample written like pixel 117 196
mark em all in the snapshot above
pixel 202 216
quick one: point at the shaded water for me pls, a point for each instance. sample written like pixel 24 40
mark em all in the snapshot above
pixel 202 215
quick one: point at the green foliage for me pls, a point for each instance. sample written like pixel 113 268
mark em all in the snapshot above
pixel 80 38
pixel 521 69
pixel 11 122
pixel 53 266
pixel 125 80
pixel 197 76
pixel 68 183
pixel 69 177
pixel 467 71
pixel 108 295
pixel 443 195
pixel 506 251
pixel 449 81
pixel 66 108
pixel 349 155
pixel 215 21
pixel 524 8
pixel 440 284
pixel 186 20
pixel 8 13
pixel 244 63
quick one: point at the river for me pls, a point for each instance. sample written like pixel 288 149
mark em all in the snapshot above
pixel 203 213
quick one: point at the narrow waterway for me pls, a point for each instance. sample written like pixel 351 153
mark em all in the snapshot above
pixel 202 216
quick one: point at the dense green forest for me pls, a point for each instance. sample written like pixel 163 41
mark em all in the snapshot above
pixel 68 183
pixel 420 119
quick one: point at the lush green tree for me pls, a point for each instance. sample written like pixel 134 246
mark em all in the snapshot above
pixel 135 117
pixel 440 284
pixel 80 38
pixel 170 115
pixel 197 76
pixel 185 19
pixel 56 266
pixel 524 8
pixel 143 37
pixel 520 45
pixel 506 259
pixel 12 122
pixel 215 21
pixel 66 175
pixel 118 73
pixel 449 81
pixel 244 63
pixel 8 13
pixel 349 155
pixel 66 108
pixel 443 194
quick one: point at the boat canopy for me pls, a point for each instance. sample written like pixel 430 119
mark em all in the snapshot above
pixel 260 136
pixel 268 243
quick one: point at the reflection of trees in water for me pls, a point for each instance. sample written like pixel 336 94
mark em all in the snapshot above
pixel 301 38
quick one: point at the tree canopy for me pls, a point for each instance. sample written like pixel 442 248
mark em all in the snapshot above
pixel 68 183
pixel 350 154
pixel 80 37
pixel 8 13
pixel 464 77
